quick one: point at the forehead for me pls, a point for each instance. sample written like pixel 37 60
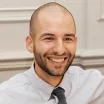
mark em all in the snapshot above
pixel 55 23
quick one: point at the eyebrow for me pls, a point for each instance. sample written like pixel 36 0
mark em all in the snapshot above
pixel 71 34
pixel 49 34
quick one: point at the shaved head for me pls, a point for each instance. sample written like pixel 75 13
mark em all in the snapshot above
pixel 52 40
pixel 50 10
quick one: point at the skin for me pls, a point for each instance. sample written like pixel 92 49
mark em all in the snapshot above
pixel 54 44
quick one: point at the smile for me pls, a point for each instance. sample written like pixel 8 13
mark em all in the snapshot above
pixel 57 59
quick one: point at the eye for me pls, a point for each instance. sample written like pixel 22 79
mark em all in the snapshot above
pixel 68 39
pixel 49 38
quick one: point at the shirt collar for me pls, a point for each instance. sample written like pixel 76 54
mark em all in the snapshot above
pixel 65 84
pixel 44 89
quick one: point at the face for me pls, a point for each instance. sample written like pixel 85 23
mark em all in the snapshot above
pixel 54 45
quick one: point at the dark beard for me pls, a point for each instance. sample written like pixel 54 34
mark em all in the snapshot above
pixel 41 63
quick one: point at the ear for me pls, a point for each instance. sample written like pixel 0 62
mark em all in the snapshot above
pixel 29 44
pixel 75 41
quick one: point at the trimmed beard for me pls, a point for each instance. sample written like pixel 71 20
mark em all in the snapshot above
pixel 42 64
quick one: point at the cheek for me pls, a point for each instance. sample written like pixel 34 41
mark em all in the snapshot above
pixel 72 48
pixel 43 47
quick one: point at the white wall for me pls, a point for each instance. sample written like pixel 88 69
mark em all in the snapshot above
pixel 14 26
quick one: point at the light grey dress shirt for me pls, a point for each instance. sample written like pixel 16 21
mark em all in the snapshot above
pixel 81 87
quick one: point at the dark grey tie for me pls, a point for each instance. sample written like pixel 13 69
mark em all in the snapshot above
pixel 59 92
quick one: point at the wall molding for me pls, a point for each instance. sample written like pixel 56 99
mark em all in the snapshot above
pixel 101 6
pixel 15 60
pixel 90 59
pixel 23 60
pixel 16 14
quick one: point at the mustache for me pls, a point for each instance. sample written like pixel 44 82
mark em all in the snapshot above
pixel 57 54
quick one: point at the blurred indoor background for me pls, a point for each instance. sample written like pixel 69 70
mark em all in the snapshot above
pixel 14 26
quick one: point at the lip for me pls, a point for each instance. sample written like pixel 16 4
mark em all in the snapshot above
pixel 57 60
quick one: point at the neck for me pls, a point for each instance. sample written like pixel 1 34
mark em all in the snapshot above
pixel 52 80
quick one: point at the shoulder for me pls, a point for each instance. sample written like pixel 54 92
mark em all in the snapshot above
pixel 11 89
pixel 78 70
pixel 14 82
pixel 90 75
pixel 17 89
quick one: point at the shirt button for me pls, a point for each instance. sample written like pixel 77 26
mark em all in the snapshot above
pixel 46 99
pixel 29 83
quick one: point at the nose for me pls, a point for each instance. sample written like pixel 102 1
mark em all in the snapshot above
pixel 59 48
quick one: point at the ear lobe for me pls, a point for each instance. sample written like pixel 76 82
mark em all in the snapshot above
pixel 29 44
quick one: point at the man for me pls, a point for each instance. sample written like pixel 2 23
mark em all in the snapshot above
pixel 53 40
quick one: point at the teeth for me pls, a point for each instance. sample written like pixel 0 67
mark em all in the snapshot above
pixel 57 60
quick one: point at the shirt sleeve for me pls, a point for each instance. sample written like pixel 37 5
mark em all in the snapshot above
pixel 4 98
pixel 98 97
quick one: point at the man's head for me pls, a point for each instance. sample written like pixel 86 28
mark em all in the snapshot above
pixel 52 39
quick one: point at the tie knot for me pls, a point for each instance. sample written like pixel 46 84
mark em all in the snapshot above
pixel 59 92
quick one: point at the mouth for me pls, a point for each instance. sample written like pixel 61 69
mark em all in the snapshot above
pixel 58 59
